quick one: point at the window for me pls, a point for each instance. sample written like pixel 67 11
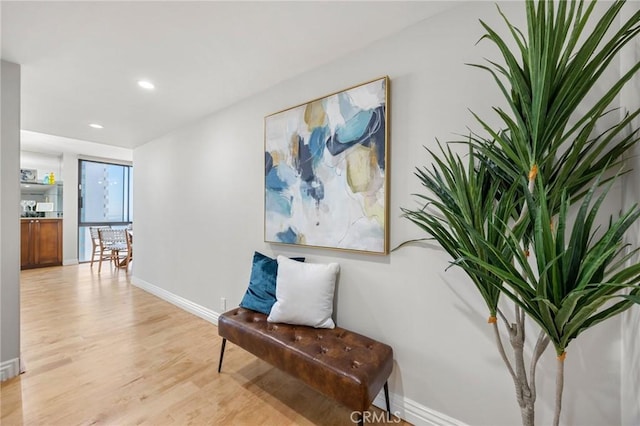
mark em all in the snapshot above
pixel 104 198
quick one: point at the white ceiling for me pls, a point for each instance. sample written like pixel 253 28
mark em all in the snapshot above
pixel 81 60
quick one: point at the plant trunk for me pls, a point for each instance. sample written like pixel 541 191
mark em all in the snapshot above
pixel 527 412
pixel 526 400
pixel 523 392
pixel 559 387
pixel 524 395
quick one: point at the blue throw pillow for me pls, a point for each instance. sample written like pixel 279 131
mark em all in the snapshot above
pixel 261 294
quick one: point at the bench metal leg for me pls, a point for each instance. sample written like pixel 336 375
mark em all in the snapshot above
pixel 386 396
pixel 224 343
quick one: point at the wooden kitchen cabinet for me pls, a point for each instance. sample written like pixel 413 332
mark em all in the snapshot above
pixel 40 242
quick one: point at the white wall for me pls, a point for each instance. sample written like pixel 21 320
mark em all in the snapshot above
pixel 69 175
pixel 630 365
pixel 10 221
pixel 199 217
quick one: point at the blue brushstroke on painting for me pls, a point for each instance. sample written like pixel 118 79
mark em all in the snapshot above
pixel 313 189
pixel 277 202
pixel 310 185
pixel 373 132
pixel 278 180
pixel 355 128
pixel 379 136
pixel 347 109
pixel 304 164
pixel 317 143
pixel 273 181
pixel 287 174
pixel 289 236
pixel 268 162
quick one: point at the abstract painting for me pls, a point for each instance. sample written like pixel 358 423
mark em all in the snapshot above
pixel 326 171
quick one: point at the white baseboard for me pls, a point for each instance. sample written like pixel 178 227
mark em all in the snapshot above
pixel 401 406
pixel 415 413
pixel 189 306
pixel 9 369
pixel 66 262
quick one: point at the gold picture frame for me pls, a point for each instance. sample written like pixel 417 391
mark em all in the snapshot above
pixel 327 171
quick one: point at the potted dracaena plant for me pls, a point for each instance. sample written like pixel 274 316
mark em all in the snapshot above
pixel 502 212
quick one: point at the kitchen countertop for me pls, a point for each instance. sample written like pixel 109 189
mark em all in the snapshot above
pixel 40 218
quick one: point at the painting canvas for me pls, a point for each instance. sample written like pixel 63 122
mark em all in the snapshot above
pixel 326 171
pixel 28 175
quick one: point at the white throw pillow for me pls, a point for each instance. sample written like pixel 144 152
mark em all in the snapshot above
pixel 304 293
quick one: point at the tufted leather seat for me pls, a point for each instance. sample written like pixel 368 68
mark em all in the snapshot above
pixel 343 365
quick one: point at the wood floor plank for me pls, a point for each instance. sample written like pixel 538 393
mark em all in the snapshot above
pixel 98 350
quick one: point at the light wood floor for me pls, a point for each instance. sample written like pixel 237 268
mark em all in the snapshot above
pixel 98 350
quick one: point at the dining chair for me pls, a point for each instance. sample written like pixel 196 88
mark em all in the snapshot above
pixel 113 244
pixel 95 241
pixel 129 257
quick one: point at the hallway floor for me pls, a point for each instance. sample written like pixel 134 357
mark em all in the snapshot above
pixel 98 350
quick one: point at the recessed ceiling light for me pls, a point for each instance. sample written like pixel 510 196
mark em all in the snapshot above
pixel 96 126
pixel 146 84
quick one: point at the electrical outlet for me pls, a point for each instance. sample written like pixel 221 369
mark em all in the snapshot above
pixel 223 304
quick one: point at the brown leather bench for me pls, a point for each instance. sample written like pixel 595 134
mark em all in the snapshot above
pixel 341 364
